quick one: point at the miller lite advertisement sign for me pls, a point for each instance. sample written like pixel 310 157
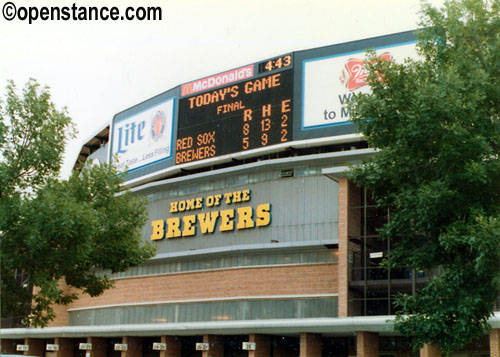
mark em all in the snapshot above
pixel 329 82
pixel 143 138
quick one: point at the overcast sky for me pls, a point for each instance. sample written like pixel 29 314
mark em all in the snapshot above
pixel 99 68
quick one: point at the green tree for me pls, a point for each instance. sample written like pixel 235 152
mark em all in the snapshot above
pixel 52 229
pixel 436 121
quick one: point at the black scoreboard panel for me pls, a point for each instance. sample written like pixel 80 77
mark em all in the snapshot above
pixel 239 117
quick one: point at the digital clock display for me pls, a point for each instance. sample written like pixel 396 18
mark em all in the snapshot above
pixel 275 63
pixel 247 115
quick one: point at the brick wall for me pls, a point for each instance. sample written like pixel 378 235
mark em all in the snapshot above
pixel 134 346
pixel 366 344
pixel 495 343
pixel 310 345
pixel 430 351
pixel 98 346
pixel 62 315
pixel 343 281
pixel 349 225
pixel 216 344
pixel 173 346
pixel 65 346
pixel 261 281
pixel 262 345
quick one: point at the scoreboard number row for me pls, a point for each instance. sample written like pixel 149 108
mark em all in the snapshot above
pixel 242 116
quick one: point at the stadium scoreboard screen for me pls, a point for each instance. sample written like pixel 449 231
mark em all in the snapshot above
pixel 294 100
pixel 242 116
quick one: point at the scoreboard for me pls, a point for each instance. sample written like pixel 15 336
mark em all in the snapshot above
pixel 295 99
pixel 243 116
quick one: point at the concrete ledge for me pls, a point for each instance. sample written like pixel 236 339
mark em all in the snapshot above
pixel 383 325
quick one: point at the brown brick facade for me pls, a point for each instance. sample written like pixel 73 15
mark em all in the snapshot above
pixel 289 280
pixel 98 347
pixel 310 345
pixel 343 234
pixel 62 315
pixel 173 346
pixel 65 347
pixel 495 343
pixel 134 346
pixel 366 344
pixel 36 346
pixel 430 351
pixel 61 311
pixel 349 225
pixel 216 346
pixel 262 345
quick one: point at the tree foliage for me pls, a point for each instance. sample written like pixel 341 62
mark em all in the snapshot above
pixel 57 230
pixel 436 121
